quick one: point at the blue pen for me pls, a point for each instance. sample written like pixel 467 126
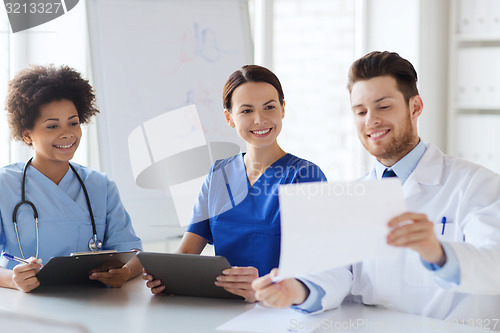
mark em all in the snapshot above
pixel 443 221
pixel 14 258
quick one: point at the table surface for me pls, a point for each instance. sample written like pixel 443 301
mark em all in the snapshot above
pixel 133 308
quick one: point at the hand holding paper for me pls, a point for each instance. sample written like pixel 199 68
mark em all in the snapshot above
pixel 328 225
pixel 416 232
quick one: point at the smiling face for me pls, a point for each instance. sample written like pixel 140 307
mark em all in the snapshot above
pixel 56 133
pixel 386 124
pixel 256 113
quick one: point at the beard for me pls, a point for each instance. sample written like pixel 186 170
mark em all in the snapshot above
pixel 396 147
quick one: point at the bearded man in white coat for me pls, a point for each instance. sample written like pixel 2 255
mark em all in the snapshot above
pixel 450 266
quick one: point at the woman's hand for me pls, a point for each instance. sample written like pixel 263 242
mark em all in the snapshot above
pixel 115 277
pixel 155 285
pixel 24 275
pixel 238 280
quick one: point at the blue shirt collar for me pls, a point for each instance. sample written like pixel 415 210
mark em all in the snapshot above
pixel 405 166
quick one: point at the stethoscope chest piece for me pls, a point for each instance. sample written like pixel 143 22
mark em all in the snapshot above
pixel 95 244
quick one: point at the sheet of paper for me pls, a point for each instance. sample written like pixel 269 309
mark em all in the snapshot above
pixel 328 225
pixel 267 320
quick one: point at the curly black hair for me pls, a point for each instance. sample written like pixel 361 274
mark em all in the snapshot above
pixel 36 85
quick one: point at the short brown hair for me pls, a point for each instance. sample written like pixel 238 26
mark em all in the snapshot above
pixel 377 63
pixel 249 73
pixel 35 86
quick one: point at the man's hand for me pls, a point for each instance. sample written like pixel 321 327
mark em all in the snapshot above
pixel 416 232
pixel 281 294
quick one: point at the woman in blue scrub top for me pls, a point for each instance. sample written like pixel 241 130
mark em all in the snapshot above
pixel 45 107
pixel 237 209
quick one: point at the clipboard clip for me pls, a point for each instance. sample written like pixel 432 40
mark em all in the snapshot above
pixel 91 252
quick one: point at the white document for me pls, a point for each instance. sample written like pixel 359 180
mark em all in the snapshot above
pixel 267 320
pixel 328 225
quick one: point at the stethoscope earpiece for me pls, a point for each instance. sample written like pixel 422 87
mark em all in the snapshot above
pixel 94 243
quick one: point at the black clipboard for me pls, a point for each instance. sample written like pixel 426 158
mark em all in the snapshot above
pixel 187 274
pixel 76 269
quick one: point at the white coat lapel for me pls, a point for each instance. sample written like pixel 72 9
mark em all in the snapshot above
pixel 429 171
pixel 411 186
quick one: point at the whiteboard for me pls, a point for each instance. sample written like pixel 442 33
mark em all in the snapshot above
pixel 148 58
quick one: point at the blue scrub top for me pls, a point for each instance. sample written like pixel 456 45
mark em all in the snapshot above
pixel 243 221
pixel 63 215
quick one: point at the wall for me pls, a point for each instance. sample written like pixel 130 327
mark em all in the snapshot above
pixel 418 31
pixel 314 44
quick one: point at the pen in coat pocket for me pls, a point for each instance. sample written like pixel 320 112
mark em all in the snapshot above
pixel 443 221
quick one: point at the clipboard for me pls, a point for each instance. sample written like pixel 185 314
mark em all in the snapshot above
pixel 75 269
pixel 187 274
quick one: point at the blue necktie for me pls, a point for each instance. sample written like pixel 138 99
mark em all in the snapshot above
pixel 388 173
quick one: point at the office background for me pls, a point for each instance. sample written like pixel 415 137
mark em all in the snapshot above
pixel 454 45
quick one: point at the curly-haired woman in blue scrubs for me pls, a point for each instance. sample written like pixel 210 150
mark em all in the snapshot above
pixel 49 206
pixel 237 209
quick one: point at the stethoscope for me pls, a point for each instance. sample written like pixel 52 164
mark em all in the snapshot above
pixel 94 243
